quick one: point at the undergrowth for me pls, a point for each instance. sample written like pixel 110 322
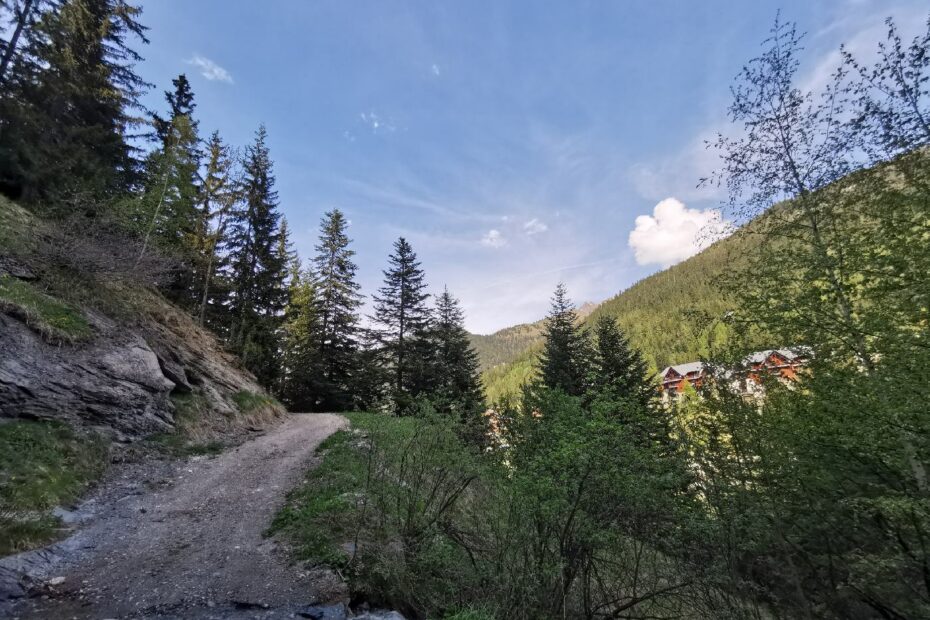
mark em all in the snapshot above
pixel 42 465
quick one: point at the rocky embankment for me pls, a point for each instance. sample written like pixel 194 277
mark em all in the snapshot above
pixel 118 377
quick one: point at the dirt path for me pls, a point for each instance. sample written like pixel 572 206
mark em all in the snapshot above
pixel 192 546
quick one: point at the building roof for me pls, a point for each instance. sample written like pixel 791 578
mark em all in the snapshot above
pixel 684 369
pixel 793 354
pixel 789 354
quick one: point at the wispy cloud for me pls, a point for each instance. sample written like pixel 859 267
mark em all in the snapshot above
pixel 210 69
pixel 534 227
pixel 377 123
pixel 436 70
pixel 674 232
pixel 493 239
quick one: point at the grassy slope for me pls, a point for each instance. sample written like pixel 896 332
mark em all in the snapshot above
pixel 669 316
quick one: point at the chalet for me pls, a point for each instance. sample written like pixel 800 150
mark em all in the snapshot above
pixel 783 364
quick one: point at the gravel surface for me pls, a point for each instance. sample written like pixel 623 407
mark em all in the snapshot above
pixel 185 539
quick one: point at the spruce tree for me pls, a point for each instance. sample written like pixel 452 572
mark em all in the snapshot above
pixel 565 358
pixel 71 107
pixel 218 195
pixel 338 300
pixel 300 379
pixel 19 28
pixel 454 366
pixel 617 367
pixel 170 204
pixel 402 314
pixel 258 266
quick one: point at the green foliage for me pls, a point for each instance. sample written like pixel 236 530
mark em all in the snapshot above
pixel 401 315
pixel 54 319
pixel 616 367
pixel 565 359
pixel 70 99
pixel 42 465
pixel 338 301
pixel 257 267
pixel 419 521
pixel 448 368
pixel 819 493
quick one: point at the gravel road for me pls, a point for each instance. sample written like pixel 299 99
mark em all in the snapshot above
pixel 186 540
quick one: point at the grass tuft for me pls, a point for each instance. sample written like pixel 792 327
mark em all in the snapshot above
pixel 42 465
pixel 55 320
pixel 250 403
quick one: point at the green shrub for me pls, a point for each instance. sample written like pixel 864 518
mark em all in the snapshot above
pixel 42 465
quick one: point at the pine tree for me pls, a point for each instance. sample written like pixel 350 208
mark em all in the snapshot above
pixel 258 266
pixel 71 107
pixel 454 367
pixel 180 103
pixel 339 300
pixel 172 194
pixel 402 313
pixel 218 195
pixel 23 15
pixel 301 372
pixel 565 358
pixel 617 367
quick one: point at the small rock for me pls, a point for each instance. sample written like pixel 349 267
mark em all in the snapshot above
pixel 324 612
pixel 381 615
pixel 56 581
pixel 66 516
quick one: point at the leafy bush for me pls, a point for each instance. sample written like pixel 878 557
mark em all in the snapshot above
pixel 578 522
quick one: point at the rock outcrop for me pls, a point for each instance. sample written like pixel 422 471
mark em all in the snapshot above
pixel 122 378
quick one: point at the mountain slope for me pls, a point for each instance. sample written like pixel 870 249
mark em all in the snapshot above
pixel 670 316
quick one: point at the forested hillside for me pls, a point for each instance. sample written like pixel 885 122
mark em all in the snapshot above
pixel 672 316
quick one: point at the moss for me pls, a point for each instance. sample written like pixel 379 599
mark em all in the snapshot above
pixel 42 465
pixel 52 318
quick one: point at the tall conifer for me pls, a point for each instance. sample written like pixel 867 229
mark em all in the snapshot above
pixel 258 266
pixel 565 357
pixel 68 114
pixel 338 303
pixel 402 314
pixel 617 367
pixel 453 364
pixel 300 379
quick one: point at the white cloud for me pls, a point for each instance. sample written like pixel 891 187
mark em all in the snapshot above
pixel 534 227
pixel 436 70
pixel 674 232
pixel 210 69
pixel 493 239
pixel 376 123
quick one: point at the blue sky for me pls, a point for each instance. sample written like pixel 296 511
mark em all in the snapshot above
pixel 514 144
